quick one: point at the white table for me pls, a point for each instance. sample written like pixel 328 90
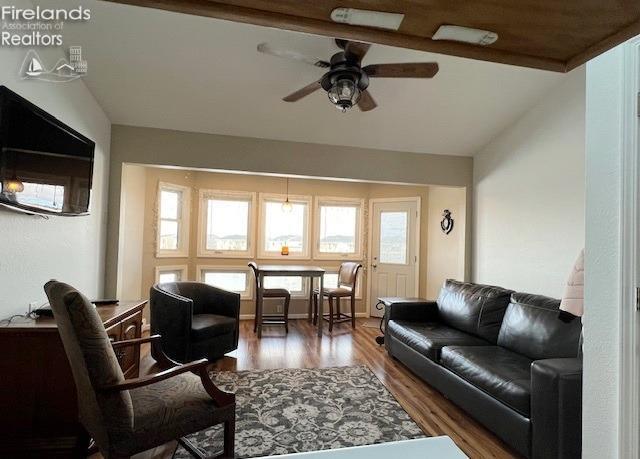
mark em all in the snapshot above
pixel 421 448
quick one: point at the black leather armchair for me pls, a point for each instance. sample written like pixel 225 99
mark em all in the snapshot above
pixel 195 320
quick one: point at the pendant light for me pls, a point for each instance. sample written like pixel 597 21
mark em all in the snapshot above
pixel 287 206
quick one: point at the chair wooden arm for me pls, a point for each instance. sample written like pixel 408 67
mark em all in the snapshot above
pixel 135 341
pixel 220 398
pixel 157 377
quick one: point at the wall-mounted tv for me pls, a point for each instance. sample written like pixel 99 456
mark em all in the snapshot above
pixel 46 167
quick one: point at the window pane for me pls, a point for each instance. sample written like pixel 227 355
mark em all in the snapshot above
pixel 284 228
pixel 169 276
pixel 393 237
pixel 169 204
pixel 168 235
pixel 338 229
pixel 330 280
pixel 293 284
pixel 232 281
pixel 227 225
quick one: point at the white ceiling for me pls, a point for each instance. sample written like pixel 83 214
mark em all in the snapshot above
pixel 165 70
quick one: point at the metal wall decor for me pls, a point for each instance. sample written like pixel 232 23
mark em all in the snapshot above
pixel 447 222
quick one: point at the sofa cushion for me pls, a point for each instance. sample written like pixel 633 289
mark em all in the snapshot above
pixel 531 327
pixel 430 337
pixel 503 374
pixel 205 326
pixel 473 308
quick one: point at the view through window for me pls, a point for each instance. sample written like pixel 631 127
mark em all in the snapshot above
pixel 169 219
pixel 227 225
pixel 227 280
pixel 393 237
pixel 338 227
pixel 284 228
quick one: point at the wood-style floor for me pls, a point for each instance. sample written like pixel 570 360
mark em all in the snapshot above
pixel 301 348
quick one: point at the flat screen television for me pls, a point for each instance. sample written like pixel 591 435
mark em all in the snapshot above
pixel 46 167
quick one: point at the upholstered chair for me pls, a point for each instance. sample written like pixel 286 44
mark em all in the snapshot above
pixel 347 279
pixel 195 320
pixel 125 417
pixel 275 293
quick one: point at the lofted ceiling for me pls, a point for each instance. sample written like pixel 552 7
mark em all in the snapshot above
pixel 166 70
pixel 555 35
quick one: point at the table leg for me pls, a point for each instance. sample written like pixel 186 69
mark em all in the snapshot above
pixel 310 310
pixel 320 304
pixel 259 300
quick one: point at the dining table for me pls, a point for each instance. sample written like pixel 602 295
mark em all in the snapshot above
pixel 310 272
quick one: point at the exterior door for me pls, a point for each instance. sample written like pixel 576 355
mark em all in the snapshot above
pixel 394 249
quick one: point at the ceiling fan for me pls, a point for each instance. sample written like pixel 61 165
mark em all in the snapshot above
pixel 346 81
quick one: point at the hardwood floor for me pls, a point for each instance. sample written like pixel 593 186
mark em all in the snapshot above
pixel 301 348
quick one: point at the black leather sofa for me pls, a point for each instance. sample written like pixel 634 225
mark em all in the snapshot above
pixel 195 320
pixel 504 357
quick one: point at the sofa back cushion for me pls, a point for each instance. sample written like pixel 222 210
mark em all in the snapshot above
pixel 531 327
pixel 473 308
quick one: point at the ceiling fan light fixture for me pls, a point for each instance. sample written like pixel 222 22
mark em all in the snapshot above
pixel 344 93
pixel 465 35
pixel 13 185
pixel 379 19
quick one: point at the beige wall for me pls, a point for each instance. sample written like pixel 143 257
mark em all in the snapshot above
pixel 138 145
pixel 134 189
pixel 197 180
pixel 447 252
pixel 529 202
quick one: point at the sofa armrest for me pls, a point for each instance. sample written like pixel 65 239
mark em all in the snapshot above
pixel 220 302
pixel 171 318
pixel 556 408
pixel 411 311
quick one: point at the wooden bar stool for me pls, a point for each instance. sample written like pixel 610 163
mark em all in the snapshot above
pixel 271 319
pixel 347 278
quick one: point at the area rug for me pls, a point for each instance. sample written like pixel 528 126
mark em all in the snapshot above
pixel 294 410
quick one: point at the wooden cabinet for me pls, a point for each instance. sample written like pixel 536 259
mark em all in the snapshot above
pixel 38 406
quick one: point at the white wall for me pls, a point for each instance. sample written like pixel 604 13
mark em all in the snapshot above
pixel 529 201
pixel 71 249
pixel 604 148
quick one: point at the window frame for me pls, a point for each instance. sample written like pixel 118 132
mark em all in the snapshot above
pixel 247 294
pixel 184 211
pixel 204 196
pixel 330 201
pixel 184 269
pixel 306 241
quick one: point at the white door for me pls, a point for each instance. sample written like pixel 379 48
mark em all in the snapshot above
pixel 395 237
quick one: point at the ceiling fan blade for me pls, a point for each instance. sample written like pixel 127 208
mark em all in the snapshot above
pixel 287 54
pixel 356 50
pixel 405 70
pixel 300 93
pixel 366 102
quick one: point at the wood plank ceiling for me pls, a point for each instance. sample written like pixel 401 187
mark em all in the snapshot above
pixel 556 35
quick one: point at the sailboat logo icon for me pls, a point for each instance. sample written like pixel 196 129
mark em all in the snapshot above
pixel 35 67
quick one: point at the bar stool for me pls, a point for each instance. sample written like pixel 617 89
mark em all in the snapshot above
pixel 271 319
pixel 347 278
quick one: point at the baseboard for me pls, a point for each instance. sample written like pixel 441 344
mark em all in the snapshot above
pixel 297 316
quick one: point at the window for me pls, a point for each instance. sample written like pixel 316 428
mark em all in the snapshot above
pixel 295 285
pixel 338 228
pixel 173 221
pixel 393 237
pixel 171 273
pixel 232 278
pixel 226 224
pixel 280 228
pixel 330 280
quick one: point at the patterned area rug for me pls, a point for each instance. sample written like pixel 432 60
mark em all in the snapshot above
pixel 294 410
